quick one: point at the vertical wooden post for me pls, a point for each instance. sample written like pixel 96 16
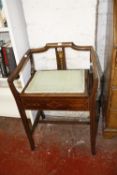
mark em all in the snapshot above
pixel 60 56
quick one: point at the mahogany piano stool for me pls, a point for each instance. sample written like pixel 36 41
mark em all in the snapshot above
pixel 61 89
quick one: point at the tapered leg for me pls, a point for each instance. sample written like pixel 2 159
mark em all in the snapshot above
pixel 92 138
pixel 93 129
pixel 22 114
pixel 42 114
pixel 27 130
pixel 26 124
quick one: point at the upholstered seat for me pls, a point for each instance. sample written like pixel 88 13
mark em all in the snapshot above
pixel 53 81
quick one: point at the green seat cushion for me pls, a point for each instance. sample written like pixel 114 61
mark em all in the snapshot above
pixel 57 81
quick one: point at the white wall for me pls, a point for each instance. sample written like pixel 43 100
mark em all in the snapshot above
pixel 68 20
pixel 53 20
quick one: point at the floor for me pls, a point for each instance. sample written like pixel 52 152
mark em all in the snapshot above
pixel 61 150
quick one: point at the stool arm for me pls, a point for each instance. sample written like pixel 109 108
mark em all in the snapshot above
pixel 20 66
pixel 16 72
pixel 95 71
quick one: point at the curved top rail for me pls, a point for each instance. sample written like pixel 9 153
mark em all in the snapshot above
pixel 61 45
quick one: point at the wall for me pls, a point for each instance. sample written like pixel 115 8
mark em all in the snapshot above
pixel 68 20
pixel 53 20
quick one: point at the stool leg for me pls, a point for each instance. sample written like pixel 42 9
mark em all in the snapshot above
pixel 27 129
pixel 93 129
pixel 39 113
pixel 42 114
pixel 95 114
pixel 26 124
pixel 92 138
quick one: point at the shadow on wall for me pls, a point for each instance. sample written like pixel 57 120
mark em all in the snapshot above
pixel 103 12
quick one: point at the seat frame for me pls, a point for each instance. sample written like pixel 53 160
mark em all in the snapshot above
pixel 86 101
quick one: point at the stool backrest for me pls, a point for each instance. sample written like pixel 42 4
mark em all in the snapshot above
pixel 61 56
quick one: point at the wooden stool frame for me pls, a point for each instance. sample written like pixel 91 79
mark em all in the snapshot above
pixel 78 102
